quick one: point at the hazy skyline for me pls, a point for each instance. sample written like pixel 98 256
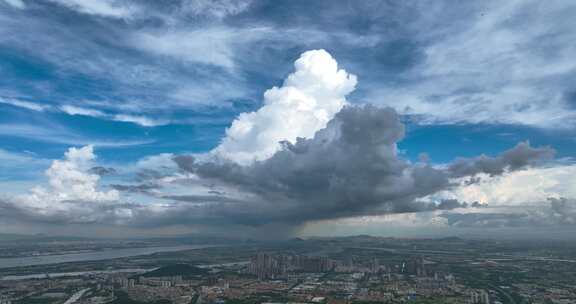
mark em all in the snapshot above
pixel 279 119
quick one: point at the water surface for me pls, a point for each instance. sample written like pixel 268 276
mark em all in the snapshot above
pixel 92 256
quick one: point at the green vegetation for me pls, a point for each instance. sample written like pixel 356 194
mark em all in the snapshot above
pixel 36 301
pixel 123 298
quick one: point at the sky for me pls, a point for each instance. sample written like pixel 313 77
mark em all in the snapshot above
pixel 264 118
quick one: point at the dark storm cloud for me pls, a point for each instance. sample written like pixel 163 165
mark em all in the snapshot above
pixel 478 205
pixel 146 180
pixel 519 157
pixel 472 181
pixel 149 175
pixel 349 168
pixel 202 199
pixel 139 188
pixel 102 171
pixel 449 204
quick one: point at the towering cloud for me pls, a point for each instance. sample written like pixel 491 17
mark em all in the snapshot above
pixel 69 180
pixel 72 193
pixel 349 168
pixel 307 100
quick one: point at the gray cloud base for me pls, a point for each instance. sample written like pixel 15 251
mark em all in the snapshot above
pixel 349 168
pixel 519 157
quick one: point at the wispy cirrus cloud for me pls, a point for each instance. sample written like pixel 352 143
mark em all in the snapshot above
pixel 74 110
pixel 20 165
pixel 204 46
pixel 82 111
pixel 136 119
pixel 506 63
pixel 491 77
pixel 60 135
pixel 24 104
pixel 139 120
pixel 104 8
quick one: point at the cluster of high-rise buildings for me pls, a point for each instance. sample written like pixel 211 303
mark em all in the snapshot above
pixel 5 300
pixel 270 266
pixel 414 266
pixel 479 297
pixel 169 281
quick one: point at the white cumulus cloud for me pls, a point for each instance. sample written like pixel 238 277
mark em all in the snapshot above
pixel 523 187
pixel 307 100
pixel 71 188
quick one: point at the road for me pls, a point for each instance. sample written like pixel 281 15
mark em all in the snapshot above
pixel 75 297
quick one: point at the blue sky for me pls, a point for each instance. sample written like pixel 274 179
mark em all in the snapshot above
pixel 140 80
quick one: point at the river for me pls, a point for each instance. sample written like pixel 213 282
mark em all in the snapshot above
pixel 91 256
